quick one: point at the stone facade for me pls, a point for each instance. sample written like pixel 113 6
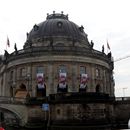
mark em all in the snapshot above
pixel 53 47
pixel 73 63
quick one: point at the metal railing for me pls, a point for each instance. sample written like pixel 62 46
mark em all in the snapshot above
pixel 12 100
pixel 17 100
pixel 80 97
pixel 122 98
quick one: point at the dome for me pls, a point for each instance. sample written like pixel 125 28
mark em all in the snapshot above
pixel 56 25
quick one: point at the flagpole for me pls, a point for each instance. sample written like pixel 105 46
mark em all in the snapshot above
pixel 7 42
pixel 107 46
pixel 107 50
pixel 6 47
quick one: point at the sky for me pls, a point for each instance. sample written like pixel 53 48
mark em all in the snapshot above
pixel 103 20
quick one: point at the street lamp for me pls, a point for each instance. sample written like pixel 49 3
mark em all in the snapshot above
pixel 124 91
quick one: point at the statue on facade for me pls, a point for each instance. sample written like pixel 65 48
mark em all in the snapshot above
pixel 92 44
pixel 15 47
pixel 103 49
pixel 27 34
pixel 109 55
pixel 81 28
pixel 6 54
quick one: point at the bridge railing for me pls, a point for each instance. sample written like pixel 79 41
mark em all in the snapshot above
pixel 122 98
pixel 81 97
pixel 17 100
pixel 12 100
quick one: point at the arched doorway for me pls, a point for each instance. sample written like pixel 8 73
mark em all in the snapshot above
pixel 41 90
pixel 23 87
pixel 9 117
pixel 82 87
pixel 11 91
pixel 98 88
pixel 22 92
pixel 62 88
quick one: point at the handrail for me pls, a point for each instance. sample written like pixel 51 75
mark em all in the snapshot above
pixel 12 100
pixel 122 98
pixel 18 100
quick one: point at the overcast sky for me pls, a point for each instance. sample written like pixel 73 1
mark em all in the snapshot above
pixel 102 20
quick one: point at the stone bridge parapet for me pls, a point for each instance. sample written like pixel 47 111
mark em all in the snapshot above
pixel 21 111
pixel 122 111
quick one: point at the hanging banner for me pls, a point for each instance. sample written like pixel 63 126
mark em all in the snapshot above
pixel 83 80
pixel 40 80
pixel 62 77
pixel 45 107
pixel 62 80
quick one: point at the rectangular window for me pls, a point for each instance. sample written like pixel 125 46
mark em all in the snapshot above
pixel 82 70
pixel 22 72
pixel 11 75
pixel 97 72
pixel 62 69
pixel 40 69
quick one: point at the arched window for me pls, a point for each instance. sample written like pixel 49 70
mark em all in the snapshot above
pixel 98 88
pixel 40 69
pixel 62 69
pixel 82 70
pixel 98 73
pixel 11 91
pixel 22 72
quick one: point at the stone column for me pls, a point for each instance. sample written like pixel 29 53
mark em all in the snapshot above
pixel 33 82
pixel 50 79
pixel 104 80
pixel 92 79
pixel 29 79
pixel 74 78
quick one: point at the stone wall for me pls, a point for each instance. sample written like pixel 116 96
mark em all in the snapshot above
pixel 122 112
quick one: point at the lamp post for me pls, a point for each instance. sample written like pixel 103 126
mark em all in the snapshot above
pixel 124 91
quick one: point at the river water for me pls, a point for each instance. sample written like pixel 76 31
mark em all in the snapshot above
pixel 42 129
pixel 11 128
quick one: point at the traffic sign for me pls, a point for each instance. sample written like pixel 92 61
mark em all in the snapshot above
pixel 45 106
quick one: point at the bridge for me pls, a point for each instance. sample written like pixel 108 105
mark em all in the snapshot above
pixel 28 112
pixel 122 111
pixel 22 111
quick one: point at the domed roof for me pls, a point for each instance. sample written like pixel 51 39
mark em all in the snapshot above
pixel 57 25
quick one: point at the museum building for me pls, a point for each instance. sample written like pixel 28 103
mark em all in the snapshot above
pixel 56 58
